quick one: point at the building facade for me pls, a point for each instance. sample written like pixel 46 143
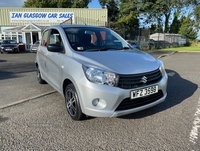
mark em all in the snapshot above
pixel 26 24
pixel 169 37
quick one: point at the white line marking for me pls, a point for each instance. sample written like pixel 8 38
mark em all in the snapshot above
pixel 196 125
pixel 25 100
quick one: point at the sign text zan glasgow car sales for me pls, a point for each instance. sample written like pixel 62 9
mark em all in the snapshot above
pixel 40 16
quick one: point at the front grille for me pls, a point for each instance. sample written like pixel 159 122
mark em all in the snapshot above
pixel 134 80
pixel 129 104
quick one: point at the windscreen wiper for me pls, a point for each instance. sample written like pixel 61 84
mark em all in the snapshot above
pixel 101 49
pixel 108 48
pixel 125 48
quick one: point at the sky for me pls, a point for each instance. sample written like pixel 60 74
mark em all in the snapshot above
pixel 19 3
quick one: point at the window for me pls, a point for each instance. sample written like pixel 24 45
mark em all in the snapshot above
pixel 94 39
pixel 88 38
pixel 44 38
pixel 7 37
pixel 103 35
pixel 55 37
pixel 73 38
pixel 9 42
pixel 14 37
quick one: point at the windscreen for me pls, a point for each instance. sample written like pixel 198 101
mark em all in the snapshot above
pixel 94 38
pixel 9 42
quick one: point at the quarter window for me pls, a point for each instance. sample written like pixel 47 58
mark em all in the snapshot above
pixel 44 38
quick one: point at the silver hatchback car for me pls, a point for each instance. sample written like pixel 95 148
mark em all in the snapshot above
pixel 98 73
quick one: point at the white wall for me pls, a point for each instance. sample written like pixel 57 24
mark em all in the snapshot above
pixel 3 28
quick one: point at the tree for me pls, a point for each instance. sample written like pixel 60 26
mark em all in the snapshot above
pixel 128 19
pixel 128 14
pixel 153 29
pixel 187 29
pixel 161 10
pixel 113 8
pixel 176 24
pixel 56 3
pixel 80 3
pixel 197 16
pixel 164 9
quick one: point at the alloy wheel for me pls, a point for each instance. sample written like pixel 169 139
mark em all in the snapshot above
pixel 71 100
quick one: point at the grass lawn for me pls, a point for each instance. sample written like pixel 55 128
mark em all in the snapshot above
pixel 191 48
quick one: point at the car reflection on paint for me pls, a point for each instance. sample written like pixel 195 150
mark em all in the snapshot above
pixel 135 45
pixel 34 47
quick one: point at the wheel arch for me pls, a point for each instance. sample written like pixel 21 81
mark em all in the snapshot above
pixel 65 83
pixel 36 65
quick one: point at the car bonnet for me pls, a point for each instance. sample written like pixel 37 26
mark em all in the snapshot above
pixel 121 62
pixel 8 45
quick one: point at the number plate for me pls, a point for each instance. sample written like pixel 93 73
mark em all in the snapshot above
pixel 9 49
pixel 144 92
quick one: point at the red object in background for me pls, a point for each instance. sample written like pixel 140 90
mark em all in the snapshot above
pixel 22 47
pixel 94 37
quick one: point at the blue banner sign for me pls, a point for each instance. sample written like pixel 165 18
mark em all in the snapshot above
pixel 50 17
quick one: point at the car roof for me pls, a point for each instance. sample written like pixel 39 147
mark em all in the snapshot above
pixel 76 25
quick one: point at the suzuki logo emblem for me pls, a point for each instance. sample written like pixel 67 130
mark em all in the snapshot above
pixel 143 79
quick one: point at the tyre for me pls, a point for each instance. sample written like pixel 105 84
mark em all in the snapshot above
pixel 72 103
pixel 15 50
pixel 39 78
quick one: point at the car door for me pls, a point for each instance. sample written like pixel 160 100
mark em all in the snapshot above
pixel 54 60
pixel 41 55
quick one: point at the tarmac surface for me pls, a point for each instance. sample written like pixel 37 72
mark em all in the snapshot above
pixel 40 121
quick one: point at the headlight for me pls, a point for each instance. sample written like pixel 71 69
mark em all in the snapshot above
pixel 2 47
pixel 100 77
pixel 162 68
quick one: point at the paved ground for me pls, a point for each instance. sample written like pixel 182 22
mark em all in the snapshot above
pixel 18 78
pixel 43 123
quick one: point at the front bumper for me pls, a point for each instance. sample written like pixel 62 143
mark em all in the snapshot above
pixel 9 49
pixel 103 101
pixel 33 49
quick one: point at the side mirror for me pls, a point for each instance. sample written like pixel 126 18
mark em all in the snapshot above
pixel 54 48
